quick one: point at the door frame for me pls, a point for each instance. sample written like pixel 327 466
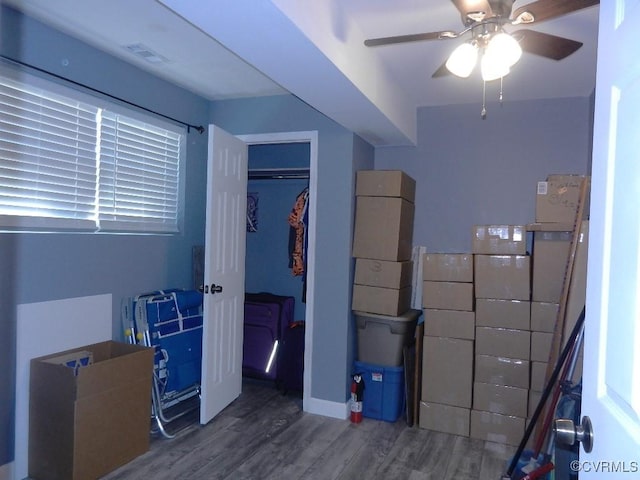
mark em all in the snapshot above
pixel 310 137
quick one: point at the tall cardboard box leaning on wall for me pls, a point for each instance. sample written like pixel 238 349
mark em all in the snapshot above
pixel 85 423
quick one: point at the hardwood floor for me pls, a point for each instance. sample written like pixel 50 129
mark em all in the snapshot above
pixel 265 435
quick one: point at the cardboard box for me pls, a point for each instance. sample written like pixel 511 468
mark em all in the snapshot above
pixel 497 428
pixel 544 316
pixel 550 257
pixel 541 346
pixel 534 399
pixel 499 240
pixel 384 301
pixel 385 183
pixel 445 418
pixel 557 199
pixel 383 228
pixel 503 342
pixel 504 277
pixel 447 371
pixel 538 374
pixel 447 296
pixel 449 323
pixel 86 425
pixel 491 312
pixel 382 273
pixel 447 267
pixel 502 371
pixel 502 399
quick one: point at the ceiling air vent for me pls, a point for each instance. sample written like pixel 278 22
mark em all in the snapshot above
pixel 146 53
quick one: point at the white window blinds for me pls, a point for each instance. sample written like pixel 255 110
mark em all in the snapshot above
pixel 67 164
pixel 138 175
pixel 47 167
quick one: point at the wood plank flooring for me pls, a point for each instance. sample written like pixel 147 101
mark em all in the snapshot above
pixel 265 435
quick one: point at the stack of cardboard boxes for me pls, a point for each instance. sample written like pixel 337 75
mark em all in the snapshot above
pixel 556 205
pixel 449 331
pixel 382 241
pixel 382 287
pixel 502 290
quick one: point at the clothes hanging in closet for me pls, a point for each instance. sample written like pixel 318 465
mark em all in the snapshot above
pixel 298 219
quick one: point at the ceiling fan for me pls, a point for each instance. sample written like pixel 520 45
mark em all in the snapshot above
pixel 484 20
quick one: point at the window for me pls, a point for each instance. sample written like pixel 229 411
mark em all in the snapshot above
pixel 68 162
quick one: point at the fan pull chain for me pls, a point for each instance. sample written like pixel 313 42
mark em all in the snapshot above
pixel 483 113
pixel 500 95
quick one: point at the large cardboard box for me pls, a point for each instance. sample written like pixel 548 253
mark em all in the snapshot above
pixel 87 424
pixel 541 346
pixel 383 228
pixel 503 342
pixel 447 371
pixel 502 371
pixel 544 316
pixel 449 323
pixel 491 312
pixel 504 277
pixel 445 418
pixel 499 240
pixel 384 301
pixel 557 199
pixel 538 374
pixel 447 267
pixel 503 399
pixel 497 428
pixel 382 273
pixel 447 296
pixel 385 183
pixel 550 257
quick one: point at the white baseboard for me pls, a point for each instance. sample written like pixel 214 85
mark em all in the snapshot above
pixel 6 471
pixel 327 408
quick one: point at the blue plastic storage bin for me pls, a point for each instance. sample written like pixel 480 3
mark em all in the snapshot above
pixel 383 397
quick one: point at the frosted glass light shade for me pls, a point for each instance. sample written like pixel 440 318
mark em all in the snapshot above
pixel 493 67
pixel 462 60
pixel 506 47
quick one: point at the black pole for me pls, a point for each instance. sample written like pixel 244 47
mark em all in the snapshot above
pixel 545 395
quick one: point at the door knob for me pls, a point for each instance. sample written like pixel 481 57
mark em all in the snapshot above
pixel 568 433
pixel 216 288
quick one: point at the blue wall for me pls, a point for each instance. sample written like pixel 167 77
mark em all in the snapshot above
pixel 42 267
pixel 468 171
pixel 474 172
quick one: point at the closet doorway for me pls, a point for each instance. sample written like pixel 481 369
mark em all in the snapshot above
pixel 281 167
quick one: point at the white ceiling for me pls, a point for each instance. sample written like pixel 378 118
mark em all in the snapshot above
pixel 231 49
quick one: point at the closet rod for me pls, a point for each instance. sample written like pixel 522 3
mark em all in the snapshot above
pixel 278 173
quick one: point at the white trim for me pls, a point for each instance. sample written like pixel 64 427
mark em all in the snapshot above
pixel 327 408
pixel 308 403
pixel 6 471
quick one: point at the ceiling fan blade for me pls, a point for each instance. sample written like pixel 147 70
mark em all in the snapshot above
pixel 473 11
pixel 416 37
pixel 442 71
pixel 541 10
pixel 545 44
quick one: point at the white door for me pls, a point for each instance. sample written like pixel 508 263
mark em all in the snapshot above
pixel 224 269
pixel 611 390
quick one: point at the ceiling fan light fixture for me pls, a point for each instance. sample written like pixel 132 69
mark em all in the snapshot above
pixel 463 59
pixel 493 67
pixel 506 47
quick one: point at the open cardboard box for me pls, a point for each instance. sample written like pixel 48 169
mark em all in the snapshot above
pixel 87 422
